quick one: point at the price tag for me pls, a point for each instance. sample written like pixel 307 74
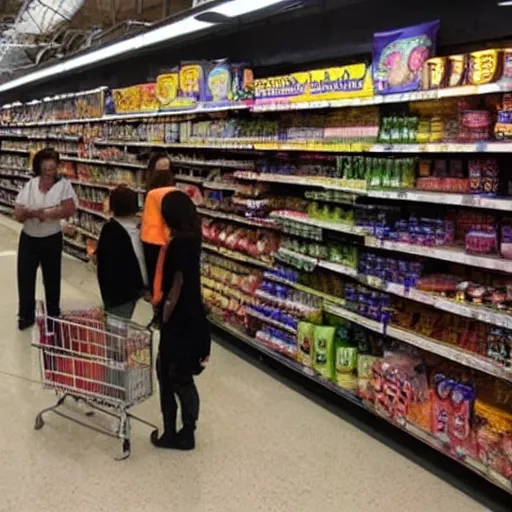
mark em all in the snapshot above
pixel 374 281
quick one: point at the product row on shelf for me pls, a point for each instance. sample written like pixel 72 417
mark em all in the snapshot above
pixel 367 246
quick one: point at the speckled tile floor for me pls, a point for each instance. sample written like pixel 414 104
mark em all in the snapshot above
pixel 261 445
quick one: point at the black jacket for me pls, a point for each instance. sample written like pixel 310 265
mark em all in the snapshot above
pixel 119 274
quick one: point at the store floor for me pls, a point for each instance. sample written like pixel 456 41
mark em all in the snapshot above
pixel 262 446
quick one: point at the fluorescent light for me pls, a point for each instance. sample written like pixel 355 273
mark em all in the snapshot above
pixel 180 28
pixel 505 3
pixel 240 7
pixel 183 27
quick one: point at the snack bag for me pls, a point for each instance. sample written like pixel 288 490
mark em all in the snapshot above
pixel 305 338
pixel 364 375
pixel 399 57
pixel 346 365
pixel 323 351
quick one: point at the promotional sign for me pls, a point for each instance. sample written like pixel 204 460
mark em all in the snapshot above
pixel 328 84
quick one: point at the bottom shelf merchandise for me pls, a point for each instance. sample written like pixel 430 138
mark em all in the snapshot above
pixel 461 413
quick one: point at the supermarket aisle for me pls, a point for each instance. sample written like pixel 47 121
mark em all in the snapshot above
pixel 262 446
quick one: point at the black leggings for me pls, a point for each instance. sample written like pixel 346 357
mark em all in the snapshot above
pixel 151 252
pixel 32 252
pixel 177 381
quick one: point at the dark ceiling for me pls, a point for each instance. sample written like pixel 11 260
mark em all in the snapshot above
pixel 320 32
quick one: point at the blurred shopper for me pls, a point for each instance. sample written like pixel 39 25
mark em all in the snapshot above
pixel 41 205
pixel 159 182
pixel 184 332
pixel 122 275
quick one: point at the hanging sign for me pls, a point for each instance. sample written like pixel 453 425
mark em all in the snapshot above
pixel 354 81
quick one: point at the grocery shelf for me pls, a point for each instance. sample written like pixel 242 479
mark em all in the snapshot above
pixel 270 321
pixel 451 352
pixel 445 198
pixel 14 150
pixel 215 185
pixel 451 254
pixel 130 117
pixel 276 344
pixel 338 268
pixel 290 363
pixel 236 256
pixel 212 163
pixel 297 255
pixel 95 161
pixel 428 95
pixel 7 204
pixel 64 138
pixel 340 227
pixel 10 188
pixel 74 243
pixel 15 176
pixel 475 312
pixel 189 179
pixel 236 218
pixel 186 144
pixel 94 212
pixel 85 232
pixel 306 289
pixel 299 309
pixel 351 186
pixel 405 426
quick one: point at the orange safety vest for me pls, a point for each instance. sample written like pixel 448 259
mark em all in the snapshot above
pixel 154 230
pixel 158 293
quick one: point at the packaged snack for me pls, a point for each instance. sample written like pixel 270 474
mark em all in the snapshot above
pixel 128 100
pixel 506 239
pixel 364 375
pixel 442 406
pixel 459 423
pixel 323 351
pixel 436 73
pixel 192 81
pixel 346 366
pixel 457 70
pixel 484 66
pixel 399 56
pixel 148 99
pixel 305 340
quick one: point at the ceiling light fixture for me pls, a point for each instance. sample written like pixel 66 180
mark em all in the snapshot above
pixel 190 25
pixel 505 3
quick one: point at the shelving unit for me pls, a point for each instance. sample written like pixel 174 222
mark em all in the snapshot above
pixel 296 228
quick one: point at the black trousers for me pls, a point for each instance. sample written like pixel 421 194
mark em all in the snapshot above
pixel 32 252
pixel 177 381
pixel 151 252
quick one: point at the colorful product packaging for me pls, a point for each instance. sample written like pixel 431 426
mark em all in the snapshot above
pixel 399 57
pixel 323 351
pixel 305 340
pixel 329 84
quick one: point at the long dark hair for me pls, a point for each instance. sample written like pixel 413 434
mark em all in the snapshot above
pixel 180 214
pixel 158 179
pixel 43 155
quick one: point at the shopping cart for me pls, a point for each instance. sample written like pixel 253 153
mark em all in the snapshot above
pixel 104 361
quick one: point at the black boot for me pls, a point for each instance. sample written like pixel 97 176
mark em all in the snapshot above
pixel 25 323
pixel 168 437
pixel 185 439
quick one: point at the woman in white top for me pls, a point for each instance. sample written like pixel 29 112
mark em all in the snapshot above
pixel 41 205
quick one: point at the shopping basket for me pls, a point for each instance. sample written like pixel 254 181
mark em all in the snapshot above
pixel 95 358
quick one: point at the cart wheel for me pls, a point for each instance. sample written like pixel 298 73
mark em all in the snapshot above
pixel 39 424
